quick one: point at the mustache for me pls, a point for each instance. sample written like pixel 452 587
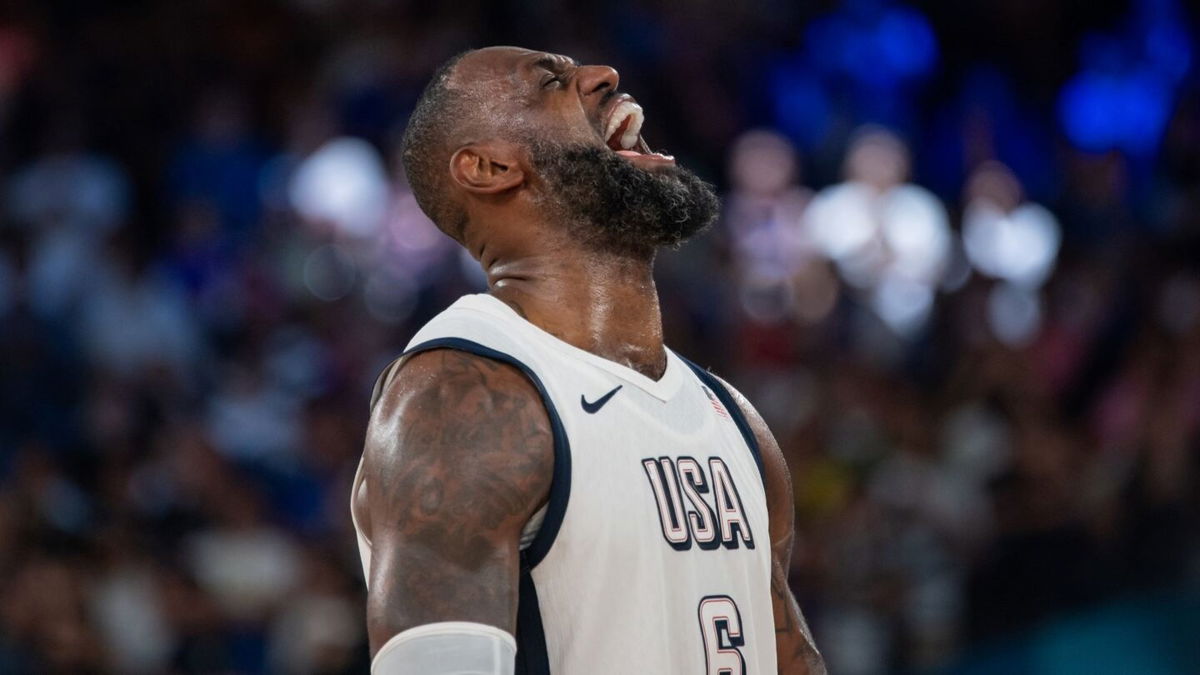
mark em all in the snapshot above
pixel 605 99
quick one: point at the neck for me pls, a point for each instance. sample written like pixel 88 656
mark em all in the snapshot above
pixel 605 304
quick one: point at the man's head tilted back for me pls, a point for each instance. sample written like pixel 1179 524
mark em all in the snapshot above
pixel 505 133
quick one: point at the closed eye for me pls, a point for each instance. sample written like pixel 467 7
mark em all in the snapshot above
pixel 557 70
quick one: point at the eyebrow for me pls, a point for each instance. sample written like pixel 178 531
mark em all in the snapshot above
pixel 553 63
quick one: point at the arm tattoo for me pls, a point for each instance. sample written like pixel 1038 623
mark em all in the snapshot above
pixel 459 455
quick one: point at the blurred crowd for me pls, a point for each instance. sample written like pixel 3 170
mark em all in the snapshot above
pixel 969 311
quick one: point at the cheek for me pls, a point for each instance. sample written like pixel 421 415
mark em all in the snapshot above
pixel 565 122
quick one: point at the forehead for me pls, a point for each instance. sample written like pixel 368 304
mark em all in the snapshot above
pixel 507 64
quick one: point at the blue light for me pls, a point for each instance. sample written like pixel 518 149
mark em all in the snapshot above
pixel 802 109
pixel 1085 109
pixel 907 43
pixel 1102 112
pixel 877 47
pixel 1162 37
pixel 1123 95
pixel 1167 47
pixel 1146 105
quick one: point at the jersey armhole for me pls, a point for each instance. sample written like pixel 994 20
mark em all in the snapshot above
pixel 560 483
pixel 739 418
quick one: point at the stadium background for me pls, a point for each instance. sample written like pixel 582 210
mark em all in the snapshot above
pixel 988 386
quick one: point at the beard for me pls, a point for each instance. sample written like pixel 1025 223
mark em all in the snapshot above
pixel 617 207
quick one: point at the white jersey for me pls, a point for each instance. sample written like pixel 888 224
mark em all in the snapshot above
pixel 652 556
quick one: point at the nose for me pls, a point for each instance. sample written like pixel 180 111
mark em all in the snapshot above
pixel 597 79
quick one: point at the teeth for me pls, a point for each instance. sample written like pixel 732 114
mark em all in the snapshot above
pixel 629 138
pixel 626 110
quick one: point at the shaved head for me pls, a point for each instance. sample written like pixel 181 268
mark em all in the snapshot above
pixel 427 144
pixel 452 110
pixel 558 134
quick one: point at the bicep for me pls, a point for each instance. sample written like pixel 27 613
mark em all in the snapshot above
pixel 458 457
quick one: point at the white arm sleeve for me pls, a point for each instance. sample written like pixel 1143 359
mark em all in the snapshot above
pixel 448 648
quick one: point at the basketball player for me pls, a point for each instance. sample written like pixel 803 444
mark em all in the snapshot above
pixel 546 488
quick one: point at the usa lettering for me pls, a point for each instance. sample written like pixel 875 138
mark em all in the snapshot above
pixel 698 504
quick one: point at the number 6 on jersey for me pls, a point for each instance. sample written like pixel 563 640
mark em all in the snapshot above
pixel 721 628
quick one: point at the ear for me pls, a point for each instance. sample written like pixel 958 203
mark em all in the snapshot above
pixel 489 167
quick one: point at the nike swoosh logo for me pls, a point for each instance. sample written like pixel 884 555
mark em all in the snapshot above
pixel 593 408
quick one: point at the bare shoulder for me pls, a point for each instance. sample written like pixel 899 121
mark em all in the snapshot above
pixel 762 433
pixel 459 455
pixel 478 418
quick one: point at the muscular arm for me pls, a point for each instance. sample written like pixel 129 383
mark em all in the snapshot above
pixel 794 645
pixel 458 456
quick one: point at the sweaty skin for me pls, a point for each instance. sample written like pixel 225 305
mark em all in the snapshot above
pixel 459 453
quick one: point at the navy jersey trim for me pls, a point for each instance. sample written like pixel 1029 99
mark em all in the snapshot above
pixel 560 486
pixel 533 658
pixel 735 411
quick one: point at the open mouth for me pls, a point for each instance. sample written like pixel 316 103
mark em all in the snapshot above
pixel 623 132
